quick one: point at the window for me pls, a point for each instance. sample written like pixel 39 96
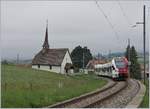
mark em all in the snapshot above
pixel 120 64
pixel 50 67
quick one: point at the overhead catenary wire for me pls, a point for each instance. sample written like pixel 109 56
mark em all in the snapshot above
pixel 107 19
pixel 124 14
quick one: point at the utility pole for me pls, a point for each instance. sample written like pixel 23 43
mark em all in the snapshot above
pixel 83 60
pixel 129 57
pixel 144 33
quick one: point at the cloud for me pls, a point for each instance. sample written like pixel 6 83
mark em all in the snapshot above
pixel 70 24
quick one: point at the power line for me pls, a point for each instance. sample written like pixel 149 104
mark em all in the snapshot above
pixel 124 14
pixel 106 17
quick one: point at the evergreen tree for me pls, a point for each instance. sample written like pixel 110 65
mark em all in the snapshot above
pixel 135 71
pixel 127 52
pixel 135 66
pixel 77 56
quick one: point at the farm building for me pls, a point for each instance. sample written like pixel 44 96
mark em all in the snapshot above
pixel 52 59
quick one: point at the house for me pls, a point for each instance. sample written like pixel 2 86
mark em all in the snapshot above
pixel 52 59
pixel 93 62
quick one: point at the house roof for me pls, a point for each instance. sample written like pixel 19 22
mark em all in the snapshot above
pixel 93 62
pixel 50 56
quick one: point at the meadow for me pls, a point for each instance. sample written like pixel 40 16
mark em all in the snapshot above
pixel 26 87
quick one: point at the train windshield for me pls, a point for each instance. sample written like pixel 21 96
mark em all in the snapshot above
pixel 120 64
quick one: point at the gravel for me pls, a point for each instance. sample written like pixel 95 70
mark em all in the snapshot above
pixel 121 99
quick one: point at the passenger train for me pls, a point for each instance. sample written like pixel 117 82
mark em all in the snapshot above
pixel 117 68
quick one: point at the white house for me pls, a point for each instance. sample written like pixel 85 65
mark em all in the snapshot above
pixel 54 60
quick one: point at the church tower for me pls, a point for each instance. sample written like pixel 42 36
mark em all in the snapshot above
pixel 46 44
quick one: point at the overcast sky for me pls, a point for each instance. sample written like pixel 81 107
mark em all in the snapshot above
pixel 71 23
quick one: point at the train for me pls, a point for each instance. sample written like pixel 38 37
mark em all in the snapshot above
pixel 117 69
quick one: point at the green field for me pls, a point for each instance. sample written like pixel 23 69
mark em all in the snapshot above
pixel 145 102
pixel 26 87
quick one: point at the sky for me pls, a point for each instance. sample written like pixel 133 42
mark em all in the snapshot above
pixel 102 27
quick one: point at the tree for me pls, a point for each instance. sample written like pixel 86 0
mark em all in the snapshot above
pixel 77 56
pixel 127 52
pixel 4 62
pixel 135 66
pixel 135 71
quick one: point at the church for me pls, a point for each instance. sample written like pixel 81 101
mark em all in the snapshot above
pixel 53 59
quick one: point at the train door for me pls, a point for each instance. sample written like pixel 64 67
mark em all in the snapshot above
pixel 114 72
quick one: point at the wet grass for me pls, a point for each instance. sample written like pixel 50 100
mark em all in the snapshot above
pixel 145 102
pixel 26 87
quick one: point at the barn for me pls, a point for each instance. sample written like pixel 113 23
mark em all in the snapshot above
pixel 53 59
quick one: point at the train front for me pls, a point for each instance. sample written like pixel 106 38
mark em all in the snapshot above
pixel 122 66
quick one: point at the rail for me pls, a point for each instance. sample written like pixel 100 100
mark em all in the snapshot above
pixel 85 100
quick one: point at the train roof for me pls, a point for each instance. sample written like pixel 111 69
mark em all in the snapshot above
pixel 103 65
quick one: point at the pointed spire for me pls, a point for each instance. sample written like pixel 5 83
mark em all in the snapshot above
pixel 46 45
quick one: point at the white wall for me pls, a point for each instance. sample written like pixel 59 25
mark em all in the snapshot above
pixel 34 66
pixel 57 69
pixel 46 68
pixel 67 59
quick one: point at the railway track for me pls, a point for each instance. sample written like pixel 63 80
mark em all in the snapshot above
pixel 120 99
pixel 94 98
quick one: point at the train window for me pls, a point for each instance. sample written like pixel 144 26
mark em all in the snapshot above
pixel 119 64
pixel 103 70
pixel 108 69
pixel 99 70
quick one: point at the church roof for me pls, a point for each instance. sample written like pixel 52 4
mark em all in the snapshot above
pixel 50 57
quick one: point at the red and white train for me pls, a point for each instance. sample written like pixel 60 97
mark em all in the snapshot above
pixel 117 68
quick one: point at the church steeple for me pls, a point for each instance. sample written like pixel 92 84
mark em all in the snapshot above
pixel 46 45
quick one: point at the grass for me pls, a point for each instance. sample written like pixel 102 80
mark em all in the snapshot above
pixel 145 102
pixel 26 87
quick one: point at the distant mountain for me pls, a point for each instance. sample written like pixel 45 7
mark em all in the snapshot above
pixel 140 55
pixel 29 61
pixel 117 54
